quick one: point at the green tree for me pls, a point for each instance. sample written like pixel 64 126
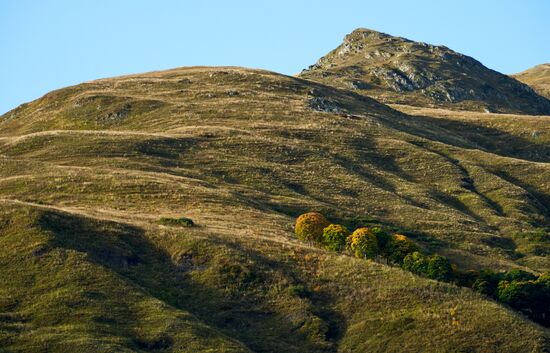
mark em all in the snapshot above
pixel 487 283
pixel 531 297
pixel 383 239
pixel 439 268
pixel 518 275
pixel 416 263
pixel 334 237
pixel 434 266
pixel 398 247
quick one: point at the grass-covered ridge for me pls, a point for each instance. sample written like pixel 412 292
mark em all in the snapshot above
pixel 87 262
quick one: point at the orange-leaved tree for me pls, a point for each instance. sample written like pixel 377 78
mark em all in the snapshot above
pixel 309 227
pixel 363 243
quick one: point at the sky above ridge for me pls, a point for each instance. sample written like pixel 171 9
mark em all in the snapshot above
pixel 47 44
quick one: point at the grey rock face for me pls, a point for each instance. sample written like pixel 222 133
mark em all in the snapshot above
pixel 381 65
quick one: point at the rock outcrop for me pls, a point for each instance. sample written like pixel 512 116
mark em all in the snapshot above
pixel 398 70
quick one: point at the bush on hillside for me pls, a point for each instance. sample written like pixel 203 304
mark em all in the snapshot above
pixel 517 275
pixel 309 227
pixel 382 237
pixel 439 268
pixel 180 222
pixel 398 247
pixel 487 282
pixel 363 243
pixel 531 297
pixel 415 263
pixel 334 237
pixel 435 266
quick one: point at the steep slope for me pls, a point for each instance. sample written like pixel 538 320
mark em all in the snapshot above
pixel 86 173
pixel 397 70
pixel 538 77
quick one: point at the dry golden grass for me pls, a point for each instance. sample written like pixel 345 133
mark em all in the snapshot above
pixel 242 153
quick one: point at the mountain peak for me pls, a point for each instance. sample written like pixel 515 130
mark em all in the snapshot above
pixel 398 70
pixel 362 33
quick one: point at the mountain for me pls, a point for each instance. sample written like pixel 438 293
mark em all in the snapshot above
pixel 397 70
pixel 538 77
pixel 88 172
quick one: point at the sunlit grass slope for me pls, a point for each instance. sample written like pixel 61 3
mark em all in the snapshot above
pixel 87 172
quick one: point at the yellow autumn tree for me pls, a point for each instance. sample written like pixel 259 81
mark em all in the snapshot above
pixel 309 227
pixel 363 243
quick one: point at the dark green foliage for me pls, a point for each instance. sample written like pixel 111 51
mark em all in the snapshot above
pixel 439 268
pixel 521 290
pixel 398 248
pixel 415 263
pixel 180 222
pixel 517 275
pixel 487 282
pixel 382 237
pixel 334 237
pixel 434 266
pixel 299 291
pixel 531 297
pixel 465 278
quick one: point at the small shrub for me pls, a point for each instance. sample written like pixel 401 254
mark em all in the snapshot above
pixel 530 297
pixel 334 237
pixel 415 263
pixel 382 237
pixel 439 268
pixel 518 275
pixel 236 274
pixel 363 243
pixel 309 227
pixel 299 291
pixel 181 222
pixel 435 266
pixel 398 247
pixel 487 282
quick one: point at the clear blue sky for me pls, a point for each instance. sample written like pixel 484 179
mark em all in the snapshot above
pixel 47 44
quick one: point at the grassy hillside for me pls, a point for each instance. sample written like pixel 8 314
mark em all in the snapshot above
pixel 87 172
pixel 398 70
pixel 538 77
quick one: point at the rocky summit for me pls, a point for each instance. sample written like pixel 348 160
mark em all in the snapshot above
pixel 398 70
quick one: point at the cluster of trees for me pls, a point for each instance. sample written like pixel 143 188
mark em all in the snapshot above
pixel 371 243
pixel 520 290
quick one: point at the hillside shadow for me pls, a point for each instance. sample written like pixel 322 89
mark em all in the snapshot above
pixel 246 317
pixel 539 199
pixel 471 136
